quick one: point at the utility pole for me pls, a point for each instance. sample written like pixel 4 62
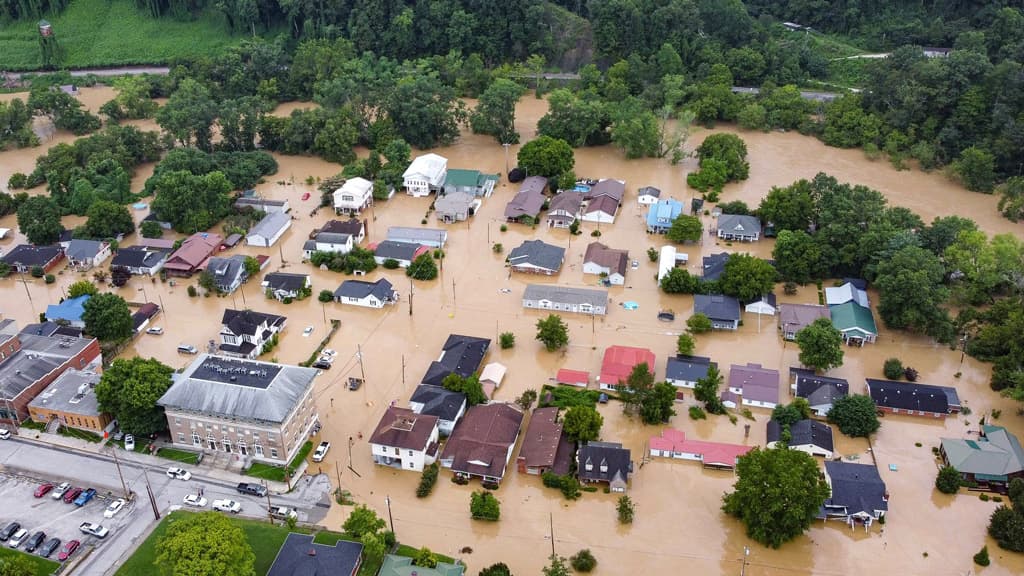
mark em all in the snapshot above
pixel 453 293
pixel 743 569
pixel 242 292
pixel 505 145
pixel 117 463
pixel 391 520
pixel 323 307
pixel 410 296
pixel 350 442
pixel 551 524
pixel 280 251
pixel 162 308
pixel 270 514
pixel 403 369
pixel 359 355
pixel 149 491
pixel 337 470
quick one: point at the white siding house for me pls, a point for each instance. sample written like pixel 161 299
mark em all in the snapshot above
pixel 353 196
pixel 366 294
pixel 269 230
pixel 426 174
pixel 328 242
pixel 405 440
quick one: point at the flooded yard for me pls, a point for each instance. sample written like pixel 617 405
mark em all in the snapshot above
pixel 678 525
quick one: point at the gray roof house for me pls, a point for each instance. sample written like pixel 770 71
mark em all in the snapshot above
pixel 993 460
pixel 300 556
pixel 648 195
pixel 757 385
pixel 527 203
pixel 446 405
pixel 366 294
pixel 723 311
pixel 228 273
pixel 455 207
pixel 820 391
pixel 564 209
pixel 858 493
pixel 269 229
pixel 605 462
pixel 795 317
pixel 683 371
pixel 243 333
pixel 283 285
pixel 85 254
pixel 739 227
pixel 403 252
pixel 431 237
pixel 565 299
pixel 461 355
pixel 810 436
pixel 714 265
pixel 139 260
pixel 537 257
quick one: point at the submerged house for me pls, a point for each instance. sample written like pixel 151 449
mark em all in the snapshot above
pixel 674 444
pixel 405 440
pixel 858 494
pixel 604 463
pixel 991 461
pixel 482 442
pixel 545 445
pixel 819 391
pixel 565 299
pixel 606 262
pixel 426 174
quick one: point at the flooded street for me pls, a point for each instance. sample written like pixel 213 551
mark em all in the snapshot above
pixel 679 526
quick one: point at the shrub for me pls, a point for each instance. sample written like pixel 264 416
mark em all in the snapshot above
pixel 423 221
pixel 325 296
pixel 981 558
pixel 652 254
pixel 49 278
pixel 391 264
pixel 192 292
pixel 508 340
pixel 504 227
pixel 698 323
pixel 893 369
pixel 498 248
pixel 596 233
pixel 37 272
pixel 983 497
pixel 427 481
pixel 17 181
pixel 789 288
pixel 583 561
pixel 948 480
pixel 697 413
pixel 625 510
pixel 484 506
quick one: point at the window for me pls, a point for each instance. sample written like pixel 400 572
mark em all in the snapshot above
pixel 259 450
pixel 396 452
pixel 410 452
pixel 181 437
pixel 177 422
pixel 273 452
pixel 411 465
pixel 196 440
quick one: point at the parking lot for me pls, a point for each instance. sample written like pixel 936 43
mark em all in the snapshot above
pixel 53 516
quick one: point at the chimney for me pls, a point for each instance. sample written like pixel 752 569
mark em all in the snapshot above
pixel 312 552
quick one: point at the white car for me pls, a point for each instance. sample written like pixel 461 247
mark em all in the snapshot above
pixel 195 500
pixel 227 506
pixel 59 490
pixel 179 473
pixel 114 508
pixel 94 529
pixel 321 451
pixel 4 433
pixel 129 442
pixel 307 331
pixel 328 352
pixel 156 330
pixel 17 538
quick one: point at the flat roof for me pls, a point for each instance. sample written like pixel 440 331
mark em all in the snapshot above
pixel 39 355
pixel 73 391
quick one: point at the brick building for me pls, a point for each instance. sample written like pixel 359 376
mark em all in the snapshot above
pixel 71 400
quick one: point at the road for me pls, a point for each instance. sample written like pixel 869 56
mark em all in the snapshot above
pixel 119 71
pixel 58 464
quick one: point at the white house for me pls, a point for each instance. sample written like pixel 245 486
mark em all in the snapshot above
pixel 353 196
pixel 447 406
pixel 366 294
pixel 228 273
pixel 810 436
pixel 668 259
pixel 405 440
pixel 401 252
pixel 269 230
pixel 648 195
pixel 601 209
pixel 139 260
pixel 763 305
pixel 283 285
pixel 610 263
pixel 426 174
pixel 244 332
pixel 328 242
pixel 86 254
pixel 684 371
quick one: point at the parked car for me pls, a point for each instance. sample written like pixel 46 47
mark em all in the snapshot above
pixel 321 365
pixel 227 506
pixel 354 383
pixel 321 451
pixel 187 349
pixel 68 549
pixel 252 489
pixel 35 541
pixel 308 330
pixel 129 442
pixel 114 508
pixel 72 494
pixel 17 538
pixel 328 352
pixel 94 529
pixel 85 496
pixel 4 433
pixel 305 196
pixel 179 473
pixel 43 489
pixel 282 512
pixel 47 548
pixel 156 330
pixel 195 500
pixel 8 531
pixel 61 488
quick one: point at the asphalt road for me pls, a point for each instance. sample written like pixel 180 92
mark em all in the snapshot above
pixel 33 461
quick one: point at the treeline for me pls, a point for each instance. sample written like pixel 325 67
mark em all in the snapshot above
pixel 23 9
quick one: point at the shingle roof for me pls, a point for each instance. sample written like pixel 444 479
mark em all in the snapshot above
pixel 614 189
pixel 818 390
pixel 194 250
pixel 605 204
pixel 613 259
pixel 995 453
pixel 566 294
pixel 857 487
pixel 481 440
pixel 461 355
pixel 796 317
pixel 567 201
pixel 300 556
pixel 739 224
pixel 137 257
pixel 610 454
pixel 397 250
pixel 543 436
pixel 716 306
pixel 439 402
pixel 80 250
pixel 757 383
pixel 417 235
pixel 714 265
pixel 285 281
pixel 352 226
pixel 537 253
pixel 381 288
pixel 908 396
pixel 649 191
pixel 687 368
pixel 534 184
pixel 524 203
pixel 853 316
pixel 403 428
pixel 249 321
pixel 453 203
pixel 28 255
pixel 332 238
pixel 803 433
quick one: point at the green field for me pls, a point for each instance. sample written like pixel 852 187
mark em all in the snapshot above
pixel 41 566
pixel 96 33
pixel 183 456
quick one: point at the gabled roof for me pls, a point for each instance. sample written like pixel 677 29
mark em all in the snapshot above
pixel 687 368
pixel 853 316
pixel 271 225
pixel 300 556
pixel 856 487
pixel 663 212
pixel 534 184
pixel 332 238
pixel 352 226
pixel 226 270
pixel 566 294
pixel 605 204
pixel 360 289
pixel 716 306
pixel 605 257
pixel 194 250
pixel 567 376
pixel 714 265
pixel 619 361
pixel 164 244
pixel 739 224
pixel 80 250
pixel 138 257
pixel 803 433
pixel 402 566
pixel 403 428
pixel 249 321
pixel 757 383
pixel 649 191
pixel 439 402
pixel 525 203
pixel 609 454
pixel 398 250
pixel 996 452
pixel 818 390
pixel 481 440
pixel 285 281
pixel 609 187
pixel 796 317
pixel 712 453
pixel 431 166
pixel 908 396
pixel 537 253
pixel 70 309
pixel 28 255
pixel 461 355
pixel 454 202
pixel 417 235
pixel 356 186
pixel 462 178
pixel 543 439
pixel 846 293
pixel 568 201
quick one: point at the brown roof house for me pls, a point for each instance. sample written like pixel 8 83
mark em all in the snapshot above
pixel 481 444
pixel 609 262
pixel 758 386
pixel 192 253
pixel 564 209
pixel 603 200
pixel 545 446
pixel 527 203
pixel 795 317
pixel 405 440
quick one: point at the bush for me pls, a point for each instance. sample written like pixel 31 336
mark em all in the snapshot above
pixel 17 181
pixel 498 248
pixel 325 296
pixel 983 497
pixel 981 558
pixel 391 264
pixel 49 278
pixel 504 228
pixel 484 506
pixel 37 272
pixel 652 254
pixel 948 481
pixel 625 510
pixel 789 288
pixel 508 340
pixel 697 413
pixel 596 233
pixel 427 481
pixel 698 323
pixel 192 292
pixel 583 561
pixel 568 484
pixel 893 369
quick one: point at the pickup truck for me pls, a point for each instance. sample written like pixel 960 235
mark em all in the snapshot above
pixel 84 497
pixel 94 529
pixel 282 512
pixel 252 489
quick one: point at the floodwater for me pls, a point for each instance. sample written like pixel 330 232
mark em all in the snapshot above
pixel 678 525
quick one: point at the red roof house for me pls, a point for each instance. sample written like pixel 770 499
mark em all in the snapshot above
pixel 619 362
pixel 579 378
pixel 673 444
pixel 192 253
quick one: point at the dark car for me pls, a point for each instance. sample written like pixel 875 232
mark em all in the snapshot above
pixel 11 528
pixel 71 494
pixel 252 489
pixel 35 541
pixel 46 549
pixel 322 365
pixel 68 549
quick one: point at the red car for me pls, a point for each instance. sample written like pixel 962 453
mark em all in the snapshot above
pixel 305 196
pixel 71 495
pixel 43 489
pixel 68 550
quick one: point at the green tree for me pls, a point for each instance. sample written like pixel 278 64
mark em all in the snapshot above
pixel 821 345
pixel 499 569
pixel 495 113
pixel 981 558
pixel 190 202
pixel 484 506
pixel 706 389
pixel 798 257
pixel 557 567
pixel 553 332
pixel 685 344
pixel 205 544
pixel 727 148
pixel 685 228
pixel 778 494
pixel 635 389
pixel 976 169
pixel 656 406
pixel 911 291
pixel 363 520
pixel 546 156
pixel 107 220
pixel 1011 199
pixel 508 340
pixel 636 130
pixel 325 296
pixel 129 389
pixel 425 558
pixel 790 207
pixel 106 317
pixel 583 561
pixel 82 287
pixel 786 415
pixel 252 267
pixel 39 220
pixel 424 111
pixel 747 277
pixel 526 399
pixel 150 229
pixel 856 415
pixel 374 547
pixel 753 116
pixel 470 386
pixel 625 509
pixel 893 369
pixel 422 268
pixel 698 323
pixel 948 480
pixel 1006 526
pixel 207 281
pixel 582 423
pixel 189 114
pixel 16 565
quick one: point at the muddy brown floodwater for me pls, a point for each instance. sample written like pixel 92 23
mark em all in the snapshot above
pixel 678 526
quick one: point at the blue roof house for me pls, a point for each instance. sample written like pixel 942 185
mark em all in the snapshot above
pixel 661 214
pixel 69 311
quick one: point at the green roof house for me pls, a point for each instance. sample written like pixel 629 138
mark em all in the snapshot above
pixel 992 460
pixel 855 322
pixel 402 566
pixel 470 182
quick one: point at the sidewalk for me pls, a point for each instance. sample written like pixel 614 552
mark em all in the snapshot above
pixel 212 467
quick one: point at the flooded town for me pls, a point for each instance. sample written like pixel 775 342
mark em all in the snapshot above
pixel 679 525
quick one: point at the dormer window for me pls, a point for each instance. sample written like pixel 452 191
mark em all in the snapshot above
pixel 604 466
pixel 588 466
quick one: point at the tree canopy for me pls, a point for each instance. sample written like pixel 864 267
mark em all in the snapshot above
pixel 856 415
pixel 495 114
pixel 39 220
pixel 107 317
pixel 821 345
pixel 747 277
pixel 546 156
pixel 205 544
pixel 129 389
pixel 552 332
pixel 582 423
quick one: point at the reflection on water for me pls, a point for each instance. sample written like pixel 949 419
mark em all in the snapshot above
pixel 679 526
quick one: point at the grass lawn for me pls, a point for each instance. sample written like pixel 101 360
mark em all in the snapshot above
pixel 80 434
pixel 182 456
pixel 568 396
pixel 112 33
pixel 410 552
pixel 40 566
pixel 276 473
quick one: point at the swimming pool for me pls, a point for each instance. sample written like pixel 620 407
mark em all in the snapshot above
pixel 581 188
